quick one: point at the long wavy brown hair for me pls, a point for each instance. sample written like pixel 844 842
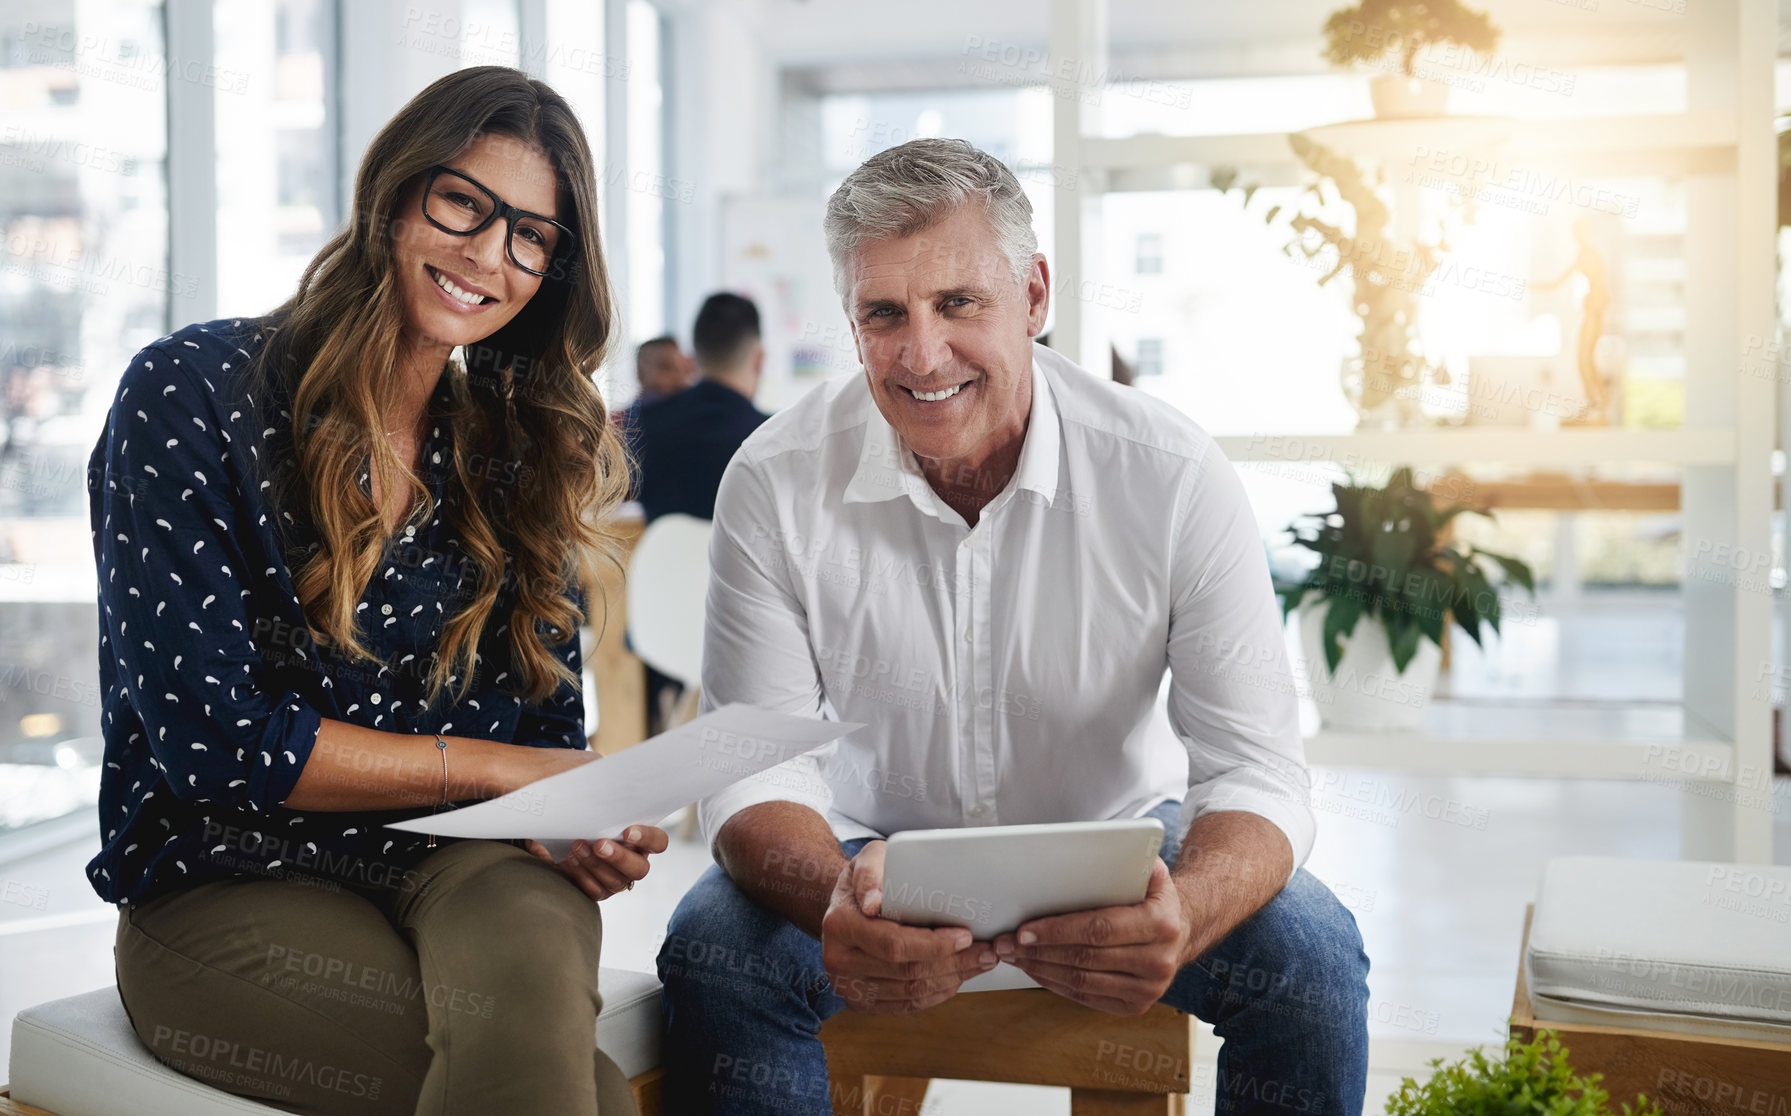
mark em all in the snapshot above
pixel 524 397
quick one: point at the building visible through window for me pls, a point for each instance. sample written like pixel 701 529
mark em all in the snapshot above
pixel 1150 356
pixel 1150 254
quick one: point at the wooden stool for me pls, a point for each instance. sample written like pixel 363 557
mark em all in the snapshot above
pixel 1687 1074
pixel 1113 1065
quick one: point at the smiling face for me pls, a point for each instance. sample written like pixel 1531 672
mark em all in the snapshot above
pixel 944 333
pixel 430 260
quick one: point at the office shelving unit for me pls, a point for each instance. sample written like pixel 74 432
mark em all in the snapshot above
pixel 1716 743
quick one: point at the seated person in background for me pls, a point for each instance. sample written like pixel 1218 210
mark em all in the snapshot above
pixel 989 557
pixel 681 444
pixel 662 369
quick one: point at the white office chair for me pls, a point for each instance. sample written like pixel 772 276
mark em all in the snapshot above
pixel 668 579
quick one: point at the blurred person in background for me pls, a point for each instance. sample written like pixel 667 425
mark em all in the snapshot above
pixel 682 444
pixel 662 369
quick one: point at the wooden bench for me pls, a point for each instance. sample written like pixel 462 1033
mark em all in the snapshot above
pixel 79 1056
pixel 880 1065
pixel 648 1089
pixel 1689 1075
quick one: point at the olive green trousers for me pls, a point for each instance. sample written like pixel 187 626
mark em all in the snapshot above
pixel 471 987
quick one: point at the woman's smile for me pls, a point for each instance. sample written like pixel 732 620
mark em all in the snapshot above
pixel 457 293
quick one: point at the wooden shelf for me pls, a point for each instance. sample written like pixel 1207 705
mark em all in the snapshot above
pixel 1721 156
pixel 1591 740
pixel 1506 446
pixel 1423 754
pixel 1676 143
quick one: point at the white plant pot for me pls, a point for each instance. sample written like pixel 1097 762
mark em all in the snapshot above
pixel 1366 694
pixel 1397 97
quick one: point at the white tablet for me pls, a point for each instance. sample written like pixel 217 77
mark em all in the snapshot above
pixel 993 879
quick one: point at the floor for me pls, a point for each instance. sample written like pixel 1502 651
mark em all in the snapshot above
pixel 1440 906
pixel 1440 902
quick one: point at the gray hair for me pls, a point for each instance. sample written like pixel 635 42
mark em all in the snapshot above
pixel 914 186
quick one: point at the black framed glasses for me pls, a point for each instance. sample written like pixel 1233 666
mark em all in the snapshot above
pixel 457 203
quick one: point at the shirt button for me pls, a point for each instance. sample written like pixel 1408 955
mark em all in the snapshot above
pixel 967 636
pixel 386 609
pixel 976 811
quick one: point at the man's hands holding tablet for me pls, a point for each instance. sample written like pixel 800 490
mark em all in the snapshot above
pixel 1116 959
pixel 877 965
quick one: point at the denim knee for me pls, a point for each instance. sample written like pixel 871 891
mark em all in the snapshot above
pixel 1302 954
pixel 721 943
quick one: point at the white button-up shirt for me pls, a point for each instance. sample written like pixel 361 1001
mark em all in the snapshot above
pixel 1006 673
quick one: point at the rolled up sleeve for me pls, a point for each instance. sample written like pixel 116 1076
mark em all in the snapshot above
pixel 1231 697
pixel 756 647
pixel 172 592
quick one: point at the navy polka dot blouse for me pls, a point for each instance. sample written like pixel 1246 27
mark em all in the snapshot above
pixel 212 690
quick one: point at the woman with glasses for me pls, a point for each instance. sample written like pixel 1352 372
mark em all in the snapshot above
pixel 338 577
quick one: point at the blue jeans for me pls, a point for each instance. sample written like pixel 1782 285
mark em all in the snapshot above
pixel 745 997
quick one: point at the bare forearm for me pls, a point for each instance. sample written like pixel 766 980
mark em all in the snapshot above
pixel 352 767
pixel 1232 863
pixel 785 857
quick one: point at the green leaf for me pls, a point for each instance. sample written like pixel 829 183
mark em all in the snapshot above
pixel 1427 598
pixel 1291 598
pixel 1393 546
pixel 1341 615
pixel 1464 607
pixel 1514 569
pixel 1485 598
pixel 1531 1078
pixel 1402 636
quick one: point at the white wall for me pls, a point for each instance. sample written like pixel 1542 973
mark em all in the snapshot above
pixel 723 124
pixel 392 49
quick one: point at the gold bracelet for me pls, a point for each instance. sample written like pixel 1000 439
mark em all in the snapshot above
pixel 441 746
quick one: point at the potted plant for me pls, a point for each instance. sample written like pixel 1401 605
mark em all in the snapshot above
pixel 1533 1077
pixel 1383 556
pixel 1376 29
pixel 1342 228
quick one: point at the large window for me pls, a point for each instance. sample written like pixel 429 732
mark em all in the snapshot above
pixel 85 283
pixel 645 300
pixel 574 60
pixel 276 170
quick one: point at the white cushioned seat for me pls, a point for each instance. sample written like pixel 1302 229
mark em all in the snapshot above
pixel 1672 945
pixel 80 1056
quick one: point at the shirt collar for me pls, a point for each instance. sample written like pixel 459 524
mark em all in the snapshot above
pixel 886 468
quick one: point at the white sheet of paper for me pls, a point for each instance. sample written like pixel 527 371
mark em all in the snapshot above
pixel 642 784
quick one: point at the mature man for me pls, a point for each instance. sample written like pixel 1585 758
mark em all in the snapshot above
pixel 683 443
pixel 990 557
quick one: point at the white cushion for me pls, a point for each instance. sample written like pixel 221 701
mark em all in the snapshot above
pixel 1665 945
pixel 632 1023
pixel 80 1056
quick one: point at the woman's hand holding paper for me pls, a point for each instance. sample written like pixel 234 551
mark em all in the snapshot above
pixel 603 867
